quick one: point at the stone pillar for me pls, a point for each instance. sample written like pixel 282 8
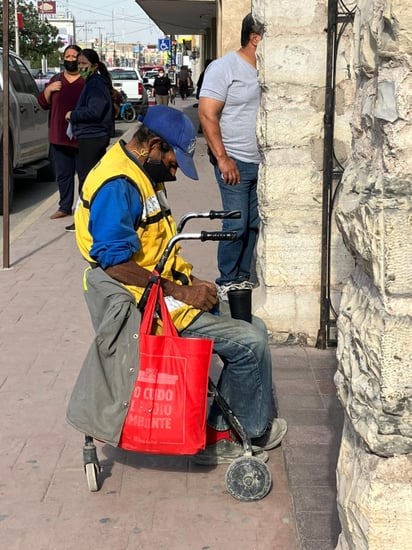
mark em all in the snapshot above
pixel 292 72
pixel 231 16
pixel 374 378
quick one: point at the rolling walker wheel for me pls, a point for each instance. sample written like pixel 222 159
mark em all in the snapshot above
pixel 248 478
pixel 129 114
pixel 91 476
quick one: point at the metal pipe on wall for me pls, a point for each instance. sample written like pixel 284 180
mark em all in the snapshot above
pixel 329 119
pixel 6 138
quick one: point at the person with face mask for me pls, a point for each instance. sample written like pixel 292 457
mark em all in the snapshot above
pixel 92 117
pixel 59 96
pixel 162 88
pixel 123 224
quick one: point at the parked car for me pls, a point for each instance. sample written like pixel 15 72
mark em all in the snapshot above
pixel 36 73
pixel 149 78
pixel 28 126
pixel 130 81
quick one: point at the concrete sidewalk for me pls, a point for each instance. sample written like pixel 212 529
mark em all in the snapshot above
pixel 146 502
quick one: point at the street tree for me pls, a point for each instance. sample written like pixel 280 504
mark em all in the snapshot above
pixel 37 38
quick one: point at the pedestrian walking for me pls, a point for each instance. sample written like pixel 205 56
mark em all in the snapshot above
pixel 183 81
pixel 162 88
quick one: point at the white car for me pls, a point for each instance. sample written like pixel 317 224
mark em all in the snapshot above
pixel 149 77
pixel 130 81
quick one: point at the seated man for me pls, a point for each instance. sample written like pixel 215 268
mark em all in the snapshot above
pixel 123 224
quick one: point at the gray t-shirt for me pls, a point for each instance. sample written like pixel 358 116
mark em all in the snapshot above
pixel 234 81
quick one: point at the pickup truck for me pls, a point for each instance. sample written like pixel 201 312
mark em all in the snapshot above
pixel 131 83
pixel 28 126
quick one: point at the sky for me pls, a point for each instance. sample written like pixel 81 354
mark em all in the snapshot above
pixel 118 20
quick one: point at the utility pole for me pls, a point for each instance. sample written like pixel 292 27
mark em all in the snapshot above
pixel 114 41
pixel 87 27
pixel 43 59
pixel 100 42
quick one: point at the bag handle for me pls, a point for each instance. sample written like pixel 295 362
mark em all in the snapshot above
pixel 156 297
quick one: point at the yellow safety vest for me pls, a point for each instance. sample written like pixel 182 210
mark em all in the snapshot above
pixel 156 226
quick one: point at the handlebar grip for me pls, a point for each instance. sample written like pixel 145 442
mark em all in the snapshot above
pixel 224 214
pixel 218 235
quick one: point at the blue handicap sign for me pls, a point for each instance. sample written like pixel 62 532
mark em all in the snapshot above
pixel 163 44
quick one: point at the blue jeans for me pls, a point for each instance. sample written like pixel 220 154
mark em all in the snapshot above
pixel 234 258
pixel 65 166
pixel 246 378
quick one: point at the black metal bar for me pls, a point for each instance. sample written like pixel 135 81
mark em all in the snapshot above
pixel 327 169
pixel 332 169
pixel 212 215
pixel 6 139
pixel 202 236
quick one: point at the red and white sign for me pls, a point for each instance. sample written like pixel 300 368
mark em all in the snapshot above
pixel 46 7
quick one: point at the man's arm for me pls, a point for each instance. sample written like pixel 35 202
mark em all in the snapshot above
pixel 201 295
pixel 209 111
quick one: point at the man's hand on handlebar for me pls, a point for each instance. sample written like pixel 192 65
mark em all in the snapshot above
pixel 201 294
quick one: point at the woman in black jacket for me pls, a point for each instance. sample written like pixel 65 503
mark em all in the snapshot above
pixel 91 119
pixel 162 88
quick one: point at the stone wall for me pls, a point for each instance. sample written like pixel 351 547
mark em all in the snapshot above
pixel 374 377
pixel 292 71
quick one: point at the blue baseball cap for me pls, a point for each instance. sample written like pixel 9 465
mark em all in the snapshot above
pixel 176 129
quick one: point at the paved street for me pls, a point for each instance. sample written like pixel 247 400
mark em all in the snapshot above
pixel 146 502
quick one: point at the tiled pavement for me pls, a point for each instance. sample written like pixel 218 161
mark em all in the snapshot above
pixel 146 502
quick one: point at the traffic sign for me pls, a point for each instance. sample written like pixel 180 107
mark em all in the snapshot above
pixel 163 44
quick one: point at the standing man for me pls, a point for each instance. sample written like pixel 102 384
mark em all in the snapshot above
pixel 183 81
pixel 228 106
pixel 59 96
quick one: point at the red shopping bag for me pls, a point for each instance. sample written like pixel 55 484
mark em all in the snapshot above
pixel 167 412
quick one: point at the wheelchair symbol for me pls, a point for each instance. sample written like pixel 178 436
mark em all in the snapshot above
pixel 163 46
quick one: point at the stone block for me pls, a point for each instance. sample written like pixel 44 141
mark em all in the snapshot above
pixel 375 226
pixel 288 178
pixel 291 250
pixel 294 59
pixel 374 497
pixel 374 377
pixel 291 125
pixel 288 15
pixel 286 311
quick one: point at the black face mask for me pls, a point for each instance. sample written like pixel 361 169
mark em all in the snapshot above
pixel 158 172
pixel 71 66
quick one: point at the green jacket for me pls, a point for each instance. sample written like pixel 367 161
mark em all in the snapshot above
pixel 100 399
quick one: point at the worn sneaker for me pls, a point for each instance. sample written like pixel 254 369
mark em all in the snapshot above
pixel 222 290
pixel 273 435
pixel 225 451
pixel 70 228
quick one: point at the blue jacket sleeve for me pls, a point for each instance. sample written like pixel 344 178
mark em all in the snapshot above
pixel 114 216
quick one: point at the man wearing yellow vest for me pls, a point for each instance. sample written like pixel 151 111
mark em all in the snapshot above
pixel 123 224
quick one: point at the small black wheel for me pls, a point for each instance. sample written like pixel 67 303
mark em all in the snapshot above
pixel 91 476
pixel 129 114
pixel 248 478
